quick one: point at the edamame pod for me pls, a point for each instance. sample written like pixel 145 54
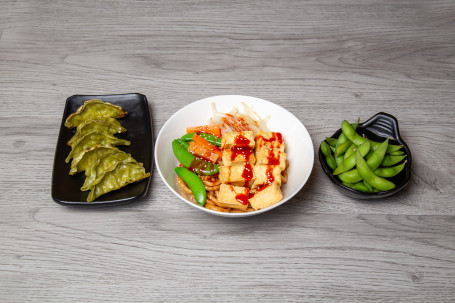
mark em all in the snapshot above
pixel 351 176
pixel 194 183
pixel 357 186
pixel 388 172
pixel 349 163
pixel 331 162
pixel 327 152
pixel 331 141
pixel 392 160
pixel 352 135
pixel 368 175
pixel 376 158
pixel 397 153
pixel 325 148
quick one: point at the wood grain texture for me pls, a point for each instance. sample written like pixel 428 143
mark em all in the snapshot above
pixel 324 61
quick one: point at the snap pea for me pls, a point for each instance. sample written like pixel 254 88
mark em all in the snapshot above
pixel 331 141
pixel 390 160
pixel 210 138
pixel 368 175
pixel 357 186
pixel 388 172
pixel 194 183
pixel 188 160
pixel 349 163
pixel 376 158
pixel 351 176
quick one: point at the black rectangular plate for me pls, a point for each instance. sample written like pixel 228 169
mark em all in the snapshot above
pixel 66 188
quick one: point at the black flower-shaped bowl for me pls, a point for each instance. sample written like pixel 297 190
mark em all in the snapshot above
pixel 378 128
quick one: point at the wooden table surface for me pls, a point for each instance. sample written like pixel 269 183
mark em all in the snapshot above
pixel 324 61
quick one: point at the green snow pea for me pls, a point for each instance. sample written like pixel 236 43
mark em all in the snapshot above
pixel 210 138
pixel 194 183
pixel 368 175
pixel 199 166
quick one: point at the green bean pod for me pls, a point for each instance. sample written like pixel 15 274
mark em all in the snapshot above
pixel 194 183
pixel 210 138
pixel 388 172
pixel 349 163
pixel 392 160
pixel 368 175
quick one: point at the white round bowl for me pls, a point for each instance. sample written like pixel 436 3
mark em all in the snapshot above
pixel 299 147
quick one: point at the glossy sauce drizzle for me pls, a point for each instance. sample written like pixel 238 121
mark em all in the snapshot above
pixel 243 198
pixel 245 152
pixel 269 174
pixel 247 173
pixel 241 141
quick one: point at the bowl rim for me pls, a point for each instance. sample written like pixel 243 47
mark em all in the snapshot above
pixel 223 214
pixel 398 138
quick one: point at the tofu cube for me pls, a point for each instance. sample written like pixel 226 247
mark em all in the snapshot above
pixel 270 140
pixel 238 156
pixel 265 156
pixel 265 174
pixel 266 196
pixel 238 175
pixel 233 196
pixel 237 139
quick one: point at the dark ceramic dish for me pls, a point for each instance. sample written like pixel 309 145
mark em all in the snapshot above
pixel 66 188
pixel 378 128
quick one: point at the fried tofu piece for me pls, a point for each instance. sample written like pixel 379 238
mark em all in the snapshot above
pixel 238 156
pixel 266 196
pixel 270 140
pixel 233 196
pixel 238 175
pixel 265 174
pixel 265 156
pixel 237 139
